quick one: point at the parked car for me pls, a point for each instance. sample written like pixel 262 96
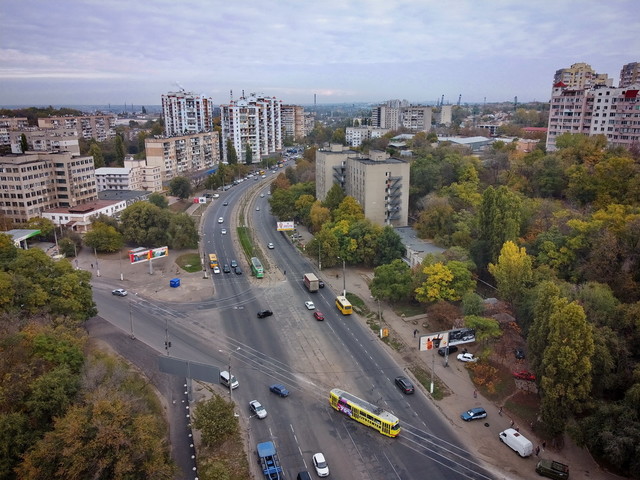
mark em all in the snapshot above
pixel 519 353
pixel 264 313
pixel 442 351
pixel 270 246
pixel 467 357
pixel 404 385
pixel 257 409
pixel 226 268
pixel 318 315
pixel 525 375
pixel 309 305
pixel 320 464
pixel 119 292
pixel 279 389
pixel 474 414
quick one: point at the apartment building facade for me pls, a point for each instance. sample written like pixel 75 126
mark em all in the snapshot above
pixel 9 123
pixel 379 183
pixel 629 74
pixel 599 110
pixel 356 135
pixel 135 175
pixel 97 127
pixel 396 114
pixel 253 122
pixel 294 124
pixel 186 113
pixel 34 182
pixel 581 75
pixel 182 155
pixel 45 140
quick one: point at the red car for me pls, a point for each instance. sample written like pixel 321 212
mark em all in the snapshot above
pixel 318 315
pixel 525 375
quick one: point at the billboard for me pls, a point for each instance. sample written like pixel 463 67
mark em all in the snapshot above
pixel 200 200
pixel 462 335
pixel 433 341
pixel 285 226
pixel 142 254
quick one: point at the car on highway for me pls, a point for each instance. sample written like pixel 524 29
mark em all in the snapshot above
pixel 467 357
pixel 270 246
pixel 216 269
pixel 225 204
pixel 320 464
pixel 474 414
pixel 404 384
pixel 238 270
pixel 220 220
pixel 223 231
pixel 264 313
pixel 257 409
pixel 442 351
pixel 309 304
pixel 234 264
pixel 279 389
pixel 226 268
pixel 257 209
pixel 525 375
pixel 318 315
pixel 320 284
pixel 119 292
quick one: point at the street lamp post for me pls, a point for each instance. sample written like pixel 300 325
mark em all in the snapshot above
pixel 319 258
pixel 133 337
pixel 167 343
pixel 344 280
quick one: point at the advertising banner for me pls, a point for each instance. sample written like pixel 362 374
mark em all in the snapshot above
pixel 144 254
pixel 462 335
pixel 433 341
pixel 285 226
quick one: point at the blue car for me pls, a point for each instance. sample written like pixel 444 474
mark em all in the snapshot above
pixel 279 389
pixel 474 414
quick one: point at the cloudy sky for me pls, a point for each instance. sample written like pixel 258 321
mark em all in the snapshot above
pixel 112 51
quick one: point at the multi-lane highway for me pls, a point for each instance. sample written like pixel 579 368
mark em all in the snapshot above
pixel 308 356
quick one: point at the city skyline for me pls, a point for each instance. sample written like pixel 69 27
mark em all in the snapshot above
pixel 116 52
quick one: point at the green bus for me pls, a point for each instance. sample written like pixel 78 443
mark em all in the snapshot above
pixel 256 267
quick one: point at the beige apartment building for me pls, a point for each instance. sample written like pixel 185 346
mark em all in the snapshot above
pixel 135 175
pixel 183 155
pixel 34 182
pixel 9 123
pixel 396 114
pixel 98 127
pixel 294 124
pixel 581 75
pixel 380 184
pixel 45 140
pixel 629 74
pixel 354 136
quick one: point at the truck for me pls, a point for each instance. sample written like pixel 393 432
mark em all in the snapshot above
pixel 268 460
pixel 311 282
pixel 517 442
pixel 552 469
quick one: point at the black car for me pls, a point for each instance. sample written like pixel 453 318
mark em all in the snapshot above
pixel 519 353
pixel 234 264
pixel 404 384
pixel 226 268
pixel 442 351
pixel 264 313
pixel 225 203
pixel 238 270
pixel 320 283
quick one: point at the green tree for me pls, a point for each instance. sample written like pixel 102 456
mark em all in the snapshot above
pixel 182 232
pixel 349 210
pixel 338 136
pixel 437 285
pixel 486 328
pixel 215 420
pixel 145 224
pixel 104 238
pixel 334 197
pixel 96 152
pixel 67 247
pixel 119 151
pixel 389 246
pixel 499 222
pixel 158 200
pixel 24 144
pixel 318 216
pixel 565 381
pixel 180 187
pixel 472 304
pixel 392 282
pixel 45 226
pixel 232 155
pixel 546 295
pixel 513 272
pixel 248 154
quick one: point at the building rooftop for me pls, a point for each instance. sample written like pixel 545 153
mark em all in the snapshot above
pixel 112 170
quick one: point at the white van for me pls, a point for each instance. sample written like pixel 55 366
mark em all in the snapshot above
pixel 228 380
pixel 517 442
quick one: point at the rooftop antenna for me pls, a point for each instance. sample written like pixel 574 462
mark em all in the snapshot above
pixel 515 102
pixel 442 101
pixel 179 86
pixel 230 96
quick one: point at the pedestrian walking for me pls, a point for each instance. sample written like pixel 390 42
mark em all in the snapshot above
pixel 512 422
pixel 475 394
pixel 538 451
pixel 285 272
pixel 500 411
pixel 415 332
pixel 92 265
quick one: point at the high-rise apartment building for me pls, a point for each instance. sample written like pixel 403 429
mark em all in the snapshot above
pixel 34 182
pixel 55 139
pixel 293 122
pixel 186 113
pixel 183 155
pixel 581 75
pixel 629 74
pixel 396 114
pixel 356 135
pixel 97 127
pixel 598 110
pixel 253 122
pixel 379 183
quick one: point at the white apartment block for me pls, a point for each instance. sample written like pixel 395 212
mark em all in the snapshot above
pixel 186 113
pixel 293 122
pixel 253 122
pixel 629 74
pixel 380 184
pixel 598 110
pixel 80 218
pixel 398 114
pixel 33 182
pixel 135 175
pixel 98 127
pixel 356 135
pixel 445 115
pixel 45 140
pixel 150 177
pixel 9 123
pixel 183 155
pixel 581 75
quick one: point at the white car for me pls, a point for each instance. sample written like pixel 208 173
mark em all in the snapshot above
pixel 467 357
pixel 220 220
pixel 262 195
pixel 309 304
pixel 119 292
pixel 257 209
pixel 216 269
pixel 257 409
pixel 319 462
pixel 223 231
pixel 216 195
pixel 270 246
